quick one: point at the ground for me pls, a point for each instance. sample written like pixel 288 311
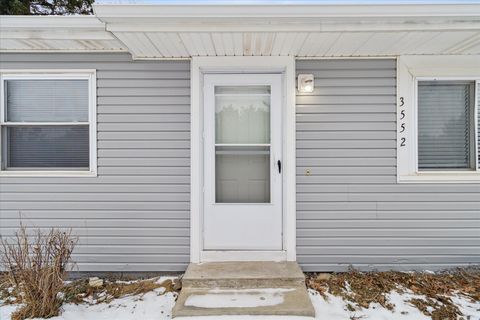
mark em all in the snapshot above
pixel 343 296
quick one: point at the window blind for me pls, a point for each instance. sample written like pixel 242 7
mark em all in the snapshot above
pixel 444 125
pixel 47 100
pixel 48 147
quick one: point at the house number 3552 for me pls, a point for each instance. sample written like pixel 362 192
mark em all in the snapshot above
pixel 401 105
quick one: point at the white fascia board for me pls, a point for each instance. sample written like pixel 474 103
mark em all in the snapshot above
pixel 288 18
pixel 286 10
pixel 284 25
pixel 17 23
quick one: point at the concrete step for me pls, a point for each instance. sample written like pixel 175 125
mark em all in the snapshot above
pixel 244 288
pixel 261 274
pixel 255 301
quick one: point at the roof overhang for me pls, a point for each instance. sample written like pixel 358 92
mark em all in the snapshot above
pixel 56 33
pixel 159 31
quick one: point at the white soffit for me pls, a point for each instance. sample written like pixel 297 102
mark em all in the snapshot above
pixel 153 31
pixel 56 33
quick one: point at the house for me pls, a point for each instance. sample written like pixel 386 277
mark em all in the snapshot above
pixel 332 134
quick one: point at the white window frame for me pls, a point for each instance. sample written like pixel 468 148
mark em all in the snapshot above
pixel 411 70
pixel 58 74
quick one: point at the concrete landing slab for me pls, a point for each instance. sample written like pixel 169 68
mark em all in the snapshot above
pixel 243 288
pixel 260 301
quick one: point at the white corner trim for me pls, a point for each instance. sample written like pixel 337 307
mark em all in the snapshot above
pixel 202 65
pixel 86 74
pixel 196 161
pixel 410 69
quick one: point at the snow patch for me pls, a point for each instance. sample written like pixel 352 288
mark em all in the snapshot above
pixel 469 308
pixel 246 298
pixel 402 309
pixel 7 310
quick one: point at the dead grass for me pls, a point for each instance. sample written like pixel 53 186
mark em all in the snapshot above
pixel 79 291
pixel 361 289
pixel 36 267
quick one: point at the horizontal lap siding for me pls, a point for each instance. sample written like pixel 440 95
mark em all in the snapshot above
pixel 350 210
pixel 135 215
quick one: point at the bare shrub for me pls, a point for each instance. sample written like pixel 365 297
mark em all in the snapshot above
pixel 36 266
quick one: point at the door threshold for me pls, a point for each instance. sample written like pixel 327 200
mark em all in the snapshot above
pixel 211 256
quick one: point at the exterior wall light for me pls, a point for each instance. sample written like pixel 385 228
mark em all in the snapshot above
pixel 306 83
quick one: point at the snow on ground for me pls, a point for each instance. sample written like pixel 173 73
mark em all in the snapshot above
pixel 149 306
pixel 469 309
pixel 157 306
pixel 336 308
pixel 6 311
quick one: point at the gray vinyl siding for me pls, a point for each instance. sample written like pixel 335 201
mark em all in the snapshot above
pixel 351 210
pixel 135 215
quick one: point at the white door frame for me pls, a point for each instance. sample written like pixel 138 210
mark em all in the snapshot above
pixel 251 64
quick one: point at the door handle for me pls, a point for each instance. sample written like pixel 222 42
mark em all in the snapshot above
pixel 279 164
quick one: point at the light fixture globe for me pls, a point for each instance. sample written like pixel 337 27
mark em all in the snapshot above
pixel 306 83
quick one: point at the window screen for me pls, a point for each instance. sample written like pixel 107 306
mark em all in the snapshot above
pixel 445 125
pixel 46 124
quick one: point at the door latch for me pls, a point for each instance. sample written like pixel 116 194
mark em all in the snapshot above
pixel 279 164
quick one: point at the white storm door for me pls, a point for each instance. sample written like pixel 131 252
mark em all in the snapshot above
pixel 242 162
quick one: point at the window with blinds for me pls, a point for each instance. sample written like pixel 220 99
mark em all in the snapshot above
pixel 447 125
pixel 45 124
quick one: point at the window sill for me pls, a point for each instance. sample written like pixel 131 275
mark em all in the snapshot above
pixel 48 174
pixel 441 177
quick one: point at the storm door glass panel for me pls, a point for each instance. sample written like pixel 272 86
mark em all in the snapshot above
pixel 242 144
pixel 444 125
